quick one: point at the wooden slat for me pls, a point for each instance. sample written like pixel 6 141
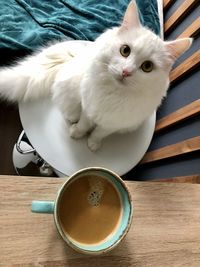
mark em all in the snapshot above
pixel 190 179
pixel 167 4
pixel 179 14
pixel 185 67
pixel 179 115
pixel 192 31
pixel 181 148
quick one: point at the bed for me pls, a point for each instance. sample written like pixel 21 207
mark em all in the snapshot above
pixel 27 25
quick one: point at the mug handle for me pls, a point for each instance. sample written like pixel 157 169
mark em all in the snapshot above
pixel 43 206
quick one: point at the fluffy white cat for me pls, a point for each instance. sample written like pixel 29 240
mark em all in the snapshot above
pixel 110 85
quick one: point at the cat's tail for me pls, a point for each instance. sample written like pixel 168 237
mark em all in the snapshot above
pixel 16 84
pixel 28 80
pixel 32 78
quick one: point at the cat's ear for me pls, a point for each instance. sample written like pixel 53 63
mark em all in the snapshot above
pixel 131 18
pixel 178 47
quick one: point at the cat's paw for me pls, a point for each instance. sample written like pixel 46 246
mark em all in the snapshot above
pixel 75 132
pixel 93 145
pixel 73 119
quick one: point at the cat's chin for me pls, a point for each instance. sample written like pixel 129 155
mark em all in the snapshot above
pixel 120 80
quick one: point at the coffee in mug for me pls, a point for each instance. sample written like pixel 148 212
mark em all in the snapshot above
pixel 92 212
pixel 89 209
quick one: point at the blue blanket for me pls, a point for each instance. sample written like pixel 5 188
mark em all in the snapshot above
pixel 27 24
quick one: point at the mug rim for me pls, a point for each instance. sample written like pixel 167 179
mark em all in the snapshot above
pixel 57 223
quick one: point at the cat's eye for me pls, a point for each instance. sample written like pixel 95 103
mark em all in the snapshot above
pixel 147 66
pixel 125 50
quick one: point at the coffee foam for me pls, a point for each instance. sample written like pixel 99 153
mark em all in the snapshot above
pixel 96 191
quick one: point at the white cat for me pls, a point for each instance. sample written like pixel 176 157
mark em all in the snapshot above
pixel 111 85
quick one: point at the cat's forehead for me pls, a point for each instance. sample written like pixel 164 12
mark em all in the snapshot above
pixel 144 43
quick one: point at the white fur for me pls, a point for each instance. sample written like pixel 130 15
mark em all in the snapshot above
pixel 88 85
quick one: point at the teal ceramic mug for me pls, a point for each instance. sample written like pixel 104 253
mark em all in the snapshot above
pixel 92 212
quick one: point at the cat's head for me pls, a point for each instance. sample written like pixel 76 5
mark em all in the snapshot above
pixel 132 54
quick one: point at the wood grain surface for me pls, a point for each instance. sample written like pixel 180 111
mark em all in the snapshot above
pixel 192 179
pixel 181 148
pixel 185 67
pixel 165 231
pixel 179 14
pixel 10 129
pixel 179 115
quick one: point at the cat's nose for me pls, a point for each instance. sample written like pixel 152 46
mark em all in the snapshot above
pixel 126 73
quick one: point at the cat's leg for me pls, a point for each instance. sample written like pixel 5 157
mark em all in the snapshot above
pixel 72 112
pixel 96 137
pixel 68 100
pixel 81 128
pixel 70 108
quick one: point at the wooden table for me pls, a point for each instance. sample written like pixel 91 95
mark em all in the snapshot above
pixel 165 229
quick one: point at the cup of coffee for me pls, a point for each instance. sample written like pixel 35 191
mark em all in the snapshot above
pixel 92 211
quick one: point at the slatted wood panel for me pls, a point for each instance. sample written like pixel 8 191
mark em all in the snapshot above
pixel 167 4
pixel 178 116
pixel 192 31
pixel 181 148
pixel 185 67
pixel 183 10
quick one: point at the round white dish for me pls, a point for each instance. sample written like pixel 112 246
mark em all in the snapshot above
pixel 48 132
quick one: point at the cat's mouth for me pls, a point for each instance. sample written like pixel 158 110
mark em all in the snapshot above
pixel 120 79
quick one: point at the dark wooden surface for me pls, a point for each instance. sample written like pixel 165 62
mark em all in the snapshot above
pixel 10 128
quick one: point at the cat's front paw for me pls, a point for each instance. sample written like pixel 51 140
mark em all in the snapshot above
pixel 75 132
pixel 93 145
pixel 73 118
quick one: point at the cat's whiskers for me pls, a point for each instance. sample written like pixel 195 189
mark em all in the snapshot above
pixel 132 83
pixel 112 68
